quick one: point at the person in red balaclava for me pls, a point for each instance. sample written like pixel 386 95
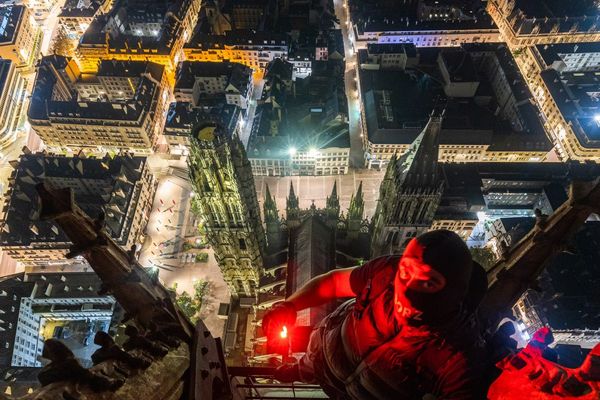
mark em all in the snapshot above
pixel 408 333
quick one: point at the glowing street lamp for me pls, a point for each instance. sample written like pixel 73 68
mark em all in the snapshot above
pixel 313 152
pixel 292 151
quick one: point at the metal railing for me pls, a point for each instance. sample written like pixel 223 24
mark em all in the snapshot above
pixel 258 383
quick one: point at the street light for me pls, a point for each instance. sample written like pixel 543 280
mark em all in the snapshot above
pixel 292 151
pixel 313 152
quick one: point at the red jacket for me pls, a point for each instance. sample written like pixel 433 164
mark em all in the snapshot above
pixel 360 352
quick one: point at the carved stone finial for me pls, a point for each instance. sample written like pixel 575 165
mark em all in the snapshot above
pixel 64 367
pixel 162 335
pixel 99 222
pixel 109 350
pixel 137 341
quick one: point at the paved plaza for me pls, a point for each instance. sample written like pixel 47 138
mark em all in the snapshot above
pixel 317 188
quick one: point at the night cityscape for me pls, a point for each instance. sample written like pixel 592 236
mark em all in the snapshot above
pixel 273 199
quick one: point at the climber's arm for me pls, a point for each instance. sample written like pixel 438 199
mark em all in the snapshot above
pixel 323 289
pixel 319 290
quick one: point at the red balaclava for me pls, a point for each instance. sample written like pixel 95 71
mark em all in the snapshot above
pixel 432 280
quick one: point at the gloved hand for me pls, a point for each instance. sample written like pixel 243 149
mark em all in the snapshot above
pixel 280 314
pixel 529 374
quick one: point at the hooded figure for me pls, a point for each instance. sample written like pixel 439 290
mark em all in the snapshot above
pixel 409 332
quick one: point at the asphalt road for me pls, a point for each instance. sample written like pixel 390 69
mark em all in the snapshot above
pixel 357 159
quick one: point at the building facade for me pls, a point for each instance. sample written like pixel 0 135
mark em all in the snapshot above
pixel 12 97
pixel 426 24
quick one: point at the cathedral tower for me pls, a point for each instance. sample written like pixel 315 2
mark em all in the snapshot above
pixel 355 213
pixel 292 209
pixel 410 192
pixel 227 202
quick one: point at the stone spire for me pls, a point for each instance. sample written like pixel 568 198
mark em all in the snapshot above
pixel 332 206
pixel 292 207
pixel 270 207
pixel 419 165
pixel 357 205
pixel 272 223
pixel 355 213
pixel 410 192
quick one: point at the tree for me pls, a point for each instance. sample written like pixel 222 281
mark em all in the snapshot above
pixel 202 289
pixel 186 303
pixel 62 45
pixel 191 305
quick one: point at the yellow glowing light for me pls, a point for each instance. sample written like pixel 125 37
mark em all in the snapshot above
pixel 283 332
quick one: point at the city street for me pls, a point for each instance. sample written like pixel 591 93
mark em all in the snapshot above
pixel 170 225
pixel 357 159
pixel 259 83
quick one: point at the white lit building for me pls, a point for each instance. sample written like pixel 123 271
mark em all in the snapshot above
pixel 40 306
pixel 12 96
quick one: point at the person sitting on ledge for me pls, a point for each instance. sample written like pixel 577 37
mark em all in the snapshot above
pixel 408 333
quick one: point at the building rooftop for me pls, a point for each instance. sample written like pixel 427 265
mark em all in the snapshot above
pixel 182 117
pixel 10 17
pixel 205 41
pixel 398 103
pixel 467 184
pixel 127 13
pixel 98 183
pixel 80 8
pixel 557 8
pixel 553 53
pixel 459 65
pixel 392 48
pixel 43 107
pixel 554 17
pixel 576 95
pixel 124 68
pixel 238 75
pixel 382 15
pixel 394 117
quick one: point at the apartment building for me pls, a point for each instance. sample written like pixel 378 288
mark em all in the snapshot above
pixel 121 107
pixel 196 81
pixel 20 36
pixel 254 49
pixel 121 187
